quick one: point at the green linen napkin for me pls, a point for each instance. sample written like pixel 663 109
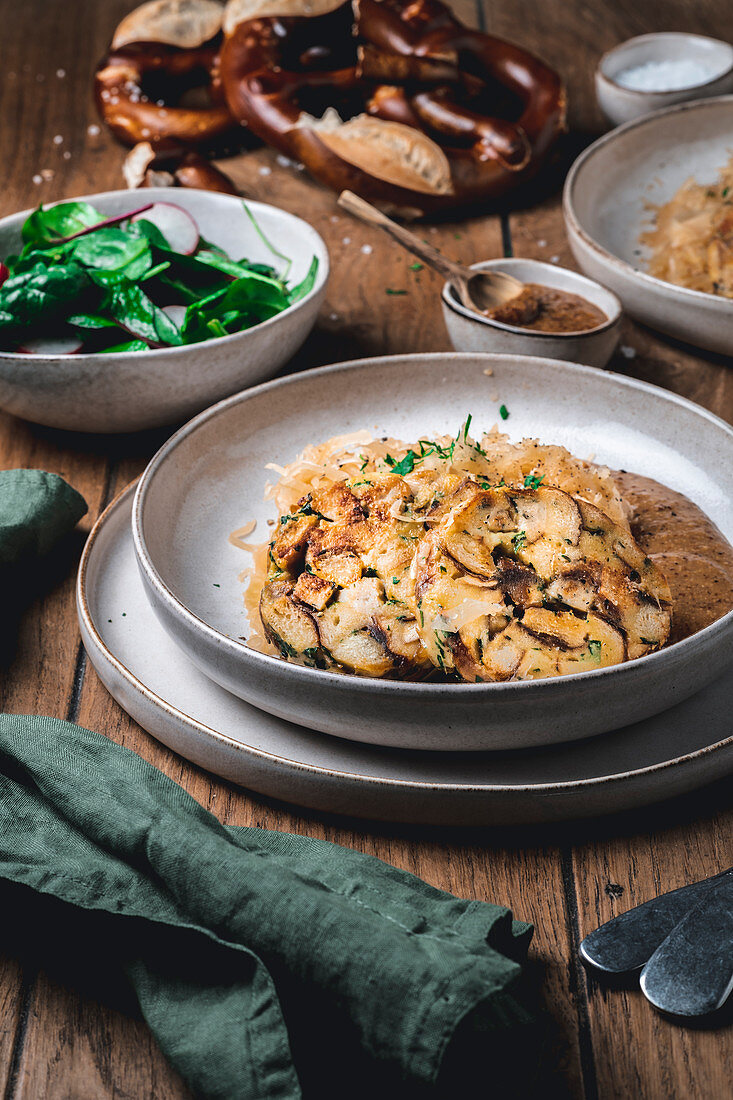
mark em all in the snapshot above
pixel 269 966
pixel 36 510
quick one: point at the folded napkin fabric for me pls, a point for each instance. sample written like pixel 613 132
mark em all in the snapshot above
pixel 269 966
pixel 36 510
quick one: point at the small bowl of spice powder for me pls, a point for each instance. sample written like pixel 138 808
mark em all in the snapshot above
pixel 653 71
pixel 558 315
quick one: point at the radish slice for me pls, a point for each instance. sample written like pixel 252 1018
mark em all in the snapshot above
pixel 176 314
pixel 4 272
pixel 176 225
pixel 51 345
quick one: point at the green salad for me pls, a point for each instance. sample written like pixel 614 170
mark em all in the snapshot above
pixel 144 279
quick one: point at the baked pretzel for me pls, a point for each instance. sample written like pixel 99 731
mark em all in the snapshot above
pixel 169 165
pixel 159 52
pixel 393 99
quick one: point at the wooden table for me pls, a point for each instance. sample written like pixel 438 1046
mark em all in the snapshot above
pixel 57 1042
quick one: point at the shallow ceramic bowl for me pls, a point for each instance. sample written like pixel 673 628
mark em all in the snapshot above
pixel 606 203
pixel 135 390
pixel 620 104
pixel 209 478
pixel 469 331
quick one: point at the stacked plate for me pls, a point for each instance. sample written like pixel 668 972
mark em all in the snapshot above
pixel 162 616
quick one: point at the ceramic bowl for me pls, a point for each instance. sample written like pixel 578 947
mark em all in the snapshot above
pixel 607 204
pixel 209 480
pixel 620 104
pixel 135 390
pixel 469 331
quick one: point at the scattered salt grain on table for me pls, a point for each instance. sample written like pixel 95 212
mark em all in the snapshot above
pixel 627 351
pixel 666 76
pixel 367 249
pixel 93 130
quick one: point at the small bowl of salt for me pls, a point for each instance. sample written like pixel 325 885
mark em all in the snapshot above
pixel 653 71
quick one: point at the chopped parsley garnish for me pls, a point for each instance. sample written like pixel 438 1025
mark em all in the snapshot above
pixel 649 641
pixel 533 481
pixel 417 266
pixel 595 649
pixel 503 412
pixel 392 291
pixel 404 466
pixel 519 541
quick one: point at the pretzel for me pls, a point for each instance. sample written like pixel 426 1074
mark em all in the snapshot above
pixel 169 165
pixel 160 51
pixel 393 99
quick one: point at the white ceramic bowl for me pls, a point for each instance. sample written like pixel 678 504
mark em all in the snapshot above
pixel 209 479
pixel 135 390
pixel 620 104
pixel 606 205
pixel 469 331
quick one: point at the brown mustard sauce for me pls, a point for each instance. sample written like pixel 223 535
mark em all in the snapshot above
pixel 545 309
pixel 695 557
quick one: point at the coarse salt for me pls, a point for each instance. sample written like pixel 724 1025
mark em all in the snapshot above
pixel 666 76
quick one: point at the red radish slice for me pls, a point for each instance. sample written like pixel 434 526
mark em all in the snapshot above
pixel 4 272
pixel 176 225
pixel 51 345
pixel 176 314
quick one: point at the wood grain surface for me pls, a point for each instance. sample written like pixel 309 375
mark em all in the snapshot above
pixel 61 1039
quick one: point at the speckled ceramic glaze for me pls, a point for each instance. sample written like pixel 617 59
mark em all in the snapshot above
pixel 469 331
pixel 620 104
pixel 144 669
pixel 606 204
pixel 209 478
pixel 135 390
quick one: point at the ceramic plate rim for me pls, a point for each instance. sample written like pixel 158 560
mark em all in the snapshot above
pixel 87 620
pixel 324 267
pixel 370 685
pixel 573 222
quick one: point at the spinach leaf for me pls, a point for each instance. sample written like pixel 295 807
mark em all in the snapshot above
pixel 47 226
pixel 306 285
pixel 134 311
pixel 114 250
pixel 126 345
pixel 141 227
pixel 91 321
pixel 41 291
pixel 257 293
pixel 241 304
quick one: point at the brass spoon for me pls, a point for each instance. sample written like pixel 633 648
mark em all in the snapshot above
pixel 480 291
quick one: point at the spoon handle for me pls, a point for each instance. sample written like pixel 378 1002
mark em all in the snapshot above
pixel 453 272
